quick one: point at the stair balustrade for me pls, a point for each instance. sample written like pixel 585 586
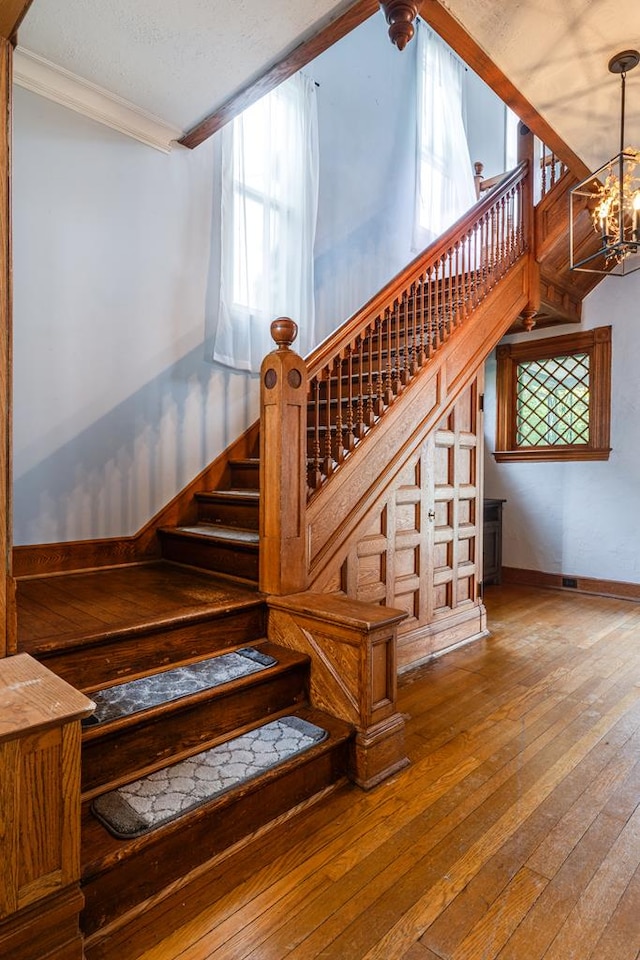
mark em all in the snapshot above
pixel 357 374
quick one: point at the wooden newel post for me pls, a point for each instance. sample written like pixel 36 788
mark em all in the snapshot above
pixel 526 152
pixel 283 465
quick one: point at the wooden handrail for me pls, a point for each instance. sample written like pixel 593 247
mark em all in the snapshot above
pixel 356 374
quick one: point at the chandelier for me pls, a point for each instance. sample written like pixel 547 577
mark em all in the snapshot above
pixel 611 198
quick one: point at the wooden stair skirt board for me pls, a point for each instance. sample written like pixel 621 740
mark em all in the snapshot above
pixel 120 876
pixel 140 743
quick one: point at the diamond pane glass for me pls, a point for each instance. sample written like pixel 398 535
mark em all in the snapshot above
pixel 553 401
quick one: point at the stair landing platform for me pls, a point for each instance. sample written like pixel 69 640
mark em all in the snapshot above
pixel 101 613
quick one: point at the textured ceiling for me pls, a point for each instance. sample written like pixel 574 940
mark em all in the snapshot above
pixel 182 60
pixel 176 60
pixel 556 53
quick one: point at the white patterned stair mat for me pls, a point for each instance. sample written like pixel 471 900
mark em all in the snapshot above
pixel 123 699
pixel 165 795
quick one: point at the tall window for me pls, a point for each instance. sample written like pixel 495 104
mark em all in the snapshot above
pixel 445 187
pixel 553 398
pixel 268 220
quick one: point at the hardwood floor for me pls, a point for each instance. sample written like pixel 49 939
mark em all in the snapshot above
pixel 514 834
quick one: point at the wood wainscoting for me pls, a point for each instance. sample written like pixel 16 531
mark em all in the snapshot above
pixel 622 589
pixel 419 548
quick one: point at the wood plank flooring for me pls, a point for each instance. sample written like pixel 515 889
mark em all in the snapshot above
pixel 514 834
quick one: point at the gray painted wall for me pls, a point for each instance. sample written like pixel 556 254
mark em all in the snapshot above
pixel 116 409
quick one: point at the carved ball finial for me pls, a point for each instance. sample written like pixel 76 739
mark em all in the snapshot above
pixel 400 15
pixel 284 331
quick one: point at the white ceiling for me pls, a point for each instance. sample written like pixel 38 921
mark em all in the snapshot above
pixel 180 61
pixel 177 60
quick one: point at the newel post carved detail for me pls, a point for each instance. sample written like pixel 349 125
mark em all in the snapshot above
pixel 400 15
pixel 283 484
pixel 526 152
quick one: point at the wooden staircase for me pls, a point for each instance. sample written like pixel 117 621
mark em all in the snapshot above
pixel 198 616
pixel 225 536
pixel 425 336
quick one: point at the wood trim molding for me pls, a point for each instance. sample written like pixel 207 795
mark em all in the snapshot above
pixel 12 13
pixel 293 61
pixel 39 75
pixel 621 589
pixel 453 33
pixel 49 558
pixel 7 596
pixel 597 344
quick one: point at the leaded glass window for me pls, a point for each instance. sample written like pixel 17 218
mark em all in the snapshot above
pixel 552 404
pixel 554 397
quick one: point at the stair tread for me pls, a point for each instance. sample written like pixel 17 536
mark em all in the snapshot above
pixel 177 789
pixel 217 532
pixel 230 494
pixel 102 850
pixel 281 658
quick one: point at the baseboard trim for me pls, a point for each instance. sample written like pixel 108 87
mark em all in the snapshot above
pixel 618 589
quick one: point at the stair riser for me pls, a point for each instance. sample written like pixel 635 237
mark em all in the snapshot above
pixel 229 514
pixel 128 753
pixel 138 653
pixel 215 555
pixel 147 865
pixel 244 475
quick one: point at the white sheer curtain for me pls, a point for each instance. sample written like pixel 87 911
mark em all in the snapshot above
pixel 268 221
pixel 444 188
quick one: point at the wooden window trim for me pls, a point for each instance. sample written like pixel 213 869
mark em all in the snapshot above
pixel 596 343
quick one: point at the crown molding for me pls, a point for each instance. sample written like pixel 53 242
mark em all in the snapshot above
pixel 34 73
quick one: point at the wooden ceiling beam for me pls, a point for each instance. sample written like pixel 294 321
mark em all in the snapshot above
pixel 11 16
pixel 303 54
pixel 453 33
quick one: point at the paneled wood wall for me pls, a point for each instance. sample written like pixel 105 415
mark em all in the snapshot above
pixel 420 548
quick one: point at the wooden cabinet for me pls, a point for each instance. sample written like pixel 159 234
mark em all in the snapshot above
pixel 492 542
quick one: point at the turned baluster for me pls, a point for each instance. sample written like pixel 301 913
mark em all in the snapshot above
pixel 350 439
pixel 360 428
pixel 414 335
pixel 370 410
pixel 544 170
pixel 379 406
pixel 464 277
pixel 327 461
pixel 421 319
pixel 457 296
pixel 389 395
pixel 493 244
pixel 340 448
pixel 439 314
pixel 447 294
pixel 402 342
pixel 315 473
